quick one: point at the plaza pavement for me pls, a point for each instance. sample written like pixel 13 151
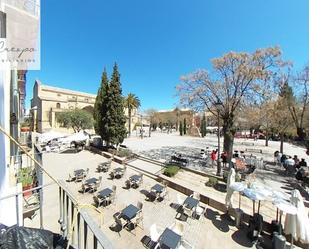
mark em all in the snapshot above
pixel 159 140
pixel 211 231
pixel 214 227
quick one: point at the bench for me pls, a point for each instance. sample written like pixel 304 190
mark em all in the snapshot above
pixel 247 143
pixel 254 150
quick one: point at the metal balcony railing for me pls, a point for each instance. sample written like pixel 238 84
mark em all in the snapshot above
pixel 76 225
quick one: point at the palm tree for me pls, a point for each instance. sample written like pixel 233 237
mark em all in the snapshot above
pixel 131 102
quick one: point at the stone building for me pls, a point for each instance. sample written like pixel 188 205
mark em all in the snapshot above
pixel 48 100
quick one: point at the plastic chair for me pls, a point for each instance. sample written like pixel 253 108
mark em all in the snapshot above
pixel 154 234
pixel 180 201
pixel 178 227
pixel 140 205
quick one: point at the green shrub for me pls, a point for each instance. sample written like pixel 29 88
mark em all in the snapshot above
pixel 212 181
pixel 124 153
pixel 171 170
pixel 25 176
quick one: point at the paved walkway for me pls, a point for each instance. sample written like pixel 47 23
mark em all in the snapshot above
pixel 212 231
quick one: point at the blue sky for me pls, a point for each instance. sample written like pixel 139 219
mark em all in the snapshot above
pixel 155 42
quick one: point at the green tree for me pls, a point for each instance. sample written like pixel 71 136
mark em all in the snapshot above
pixel 76 119
pixel 115 110
pixel 131 102
pixel 100 114
pixel 184 126
pixel 180 128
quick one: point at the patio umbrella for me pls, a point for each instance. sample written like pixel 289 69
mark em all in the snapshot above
pixel 238 187
pixel 229 192
pixel 255 194
pixel 297 225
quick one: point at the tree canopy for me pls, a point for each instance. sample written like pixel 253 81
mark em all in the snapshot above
pixel 235 80
pixel 76 119
pixel 109 109
pixel 131 102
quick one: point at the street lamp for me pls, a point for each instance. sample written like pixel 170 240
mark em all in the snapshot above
pixel 142 130
pixel 218 104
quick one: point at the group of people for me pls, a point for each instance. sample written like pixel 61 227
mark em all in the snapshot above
pixel 292 165
pixel 214 157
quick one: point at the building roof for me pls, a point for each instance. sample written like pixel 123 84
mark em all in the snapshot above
pixel 63 90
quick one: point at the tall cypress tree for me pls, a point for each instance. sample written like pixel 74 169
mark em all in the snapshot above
pixel 180 128
pixel 184 126
pixel 100 113
pixel 116 125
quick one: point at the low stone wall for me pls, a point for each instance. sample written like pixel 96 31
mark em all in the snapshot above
pixel 121 160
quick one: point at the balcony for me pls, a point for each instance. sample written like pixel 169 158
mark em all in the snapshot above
pixel 51 206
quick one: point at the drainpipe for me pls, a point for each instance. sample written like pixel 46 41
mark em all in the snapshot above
pixel 14 114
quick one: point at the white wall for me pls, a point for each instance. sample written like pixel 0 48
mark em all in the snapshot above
pixel 7 207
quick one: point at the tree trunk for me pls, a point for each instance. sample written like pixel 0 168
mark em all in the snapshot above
pixel 228 133
pixel 129 122
pixel 228 144
pixel 266 138
pixel 150 129
pixel 281 143
pixel 301 133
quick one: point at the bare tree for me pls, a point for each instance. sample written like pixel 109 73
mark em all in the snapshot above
pixel 235 80
pixel 151 116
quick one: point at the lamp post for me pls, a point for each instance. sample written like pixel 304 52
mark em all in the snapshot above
pixel 218 104
pixel 142 131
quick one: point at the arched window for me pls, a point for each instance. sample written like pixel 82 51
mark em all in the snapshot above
pixel 58 105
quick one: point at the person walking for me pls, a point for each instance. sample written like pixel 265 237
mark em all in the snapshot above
pixel 224 158
pixel 213 157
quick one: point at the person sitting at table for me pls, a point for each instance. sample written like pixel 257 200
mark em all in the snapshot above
pixel 289 165
pixel 236 154
pixel 302 163
pixel 283 159
pixel 296 161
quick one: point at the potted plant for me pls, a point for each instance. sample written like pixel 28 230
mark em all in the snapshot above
pixel 26 178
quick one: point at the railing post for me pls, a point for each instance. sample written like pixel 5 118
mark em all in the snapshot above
pixel 60 221
pixel 17 210
pixel 67 213
pixel 78 231
pixel 95 242
pixel 41 207
pixel 85 235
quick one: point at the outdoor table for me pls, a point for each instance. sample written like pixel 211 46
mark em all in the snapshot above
pixel 135 178
pixel 79 172
pixel 103 166
pixel 118 170
pixel 91 181
pixel 169 239
pixel 256 194
pixel 157 188
pixel 129 212
pixel 105 193
pixel 191 202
